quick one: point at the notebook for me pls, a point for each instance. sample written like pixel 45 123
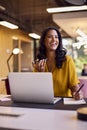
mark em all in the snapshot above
pixel 35 87
pixel 71 101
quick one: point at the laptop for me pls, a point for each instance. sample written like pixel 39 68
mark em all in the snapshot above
pixel 34 87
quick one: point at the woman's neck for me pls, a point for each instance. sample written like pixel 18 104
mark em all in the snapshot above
pixel 51 56
pixel 50 61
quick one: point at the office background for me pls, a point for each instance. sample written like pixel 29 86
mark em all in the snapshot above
pixel 31 16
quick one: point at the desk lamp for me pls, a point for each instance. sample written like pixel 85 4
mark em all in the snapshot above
pixel 14 52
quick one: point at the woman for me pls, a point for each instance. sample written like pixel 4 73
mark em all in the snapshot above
pixel 52 58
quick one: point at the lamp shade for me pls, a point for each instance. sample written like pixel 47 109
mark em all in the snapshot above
pixel 14 52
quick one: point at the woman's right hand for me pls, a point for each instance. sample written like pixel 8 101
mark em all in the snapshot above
pixel 75 95
pixel 39 65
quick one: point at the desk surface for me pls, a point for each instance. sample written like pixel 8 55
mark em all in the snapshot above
pixel 40 116
pixel 58 106
pixel 40 119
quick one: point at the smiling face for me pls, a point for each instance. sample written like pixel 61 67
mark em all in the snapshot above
pixel 51 40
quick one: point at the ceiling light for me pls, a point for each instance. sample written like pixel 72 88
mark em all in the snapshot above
pixel 2 8
pixel 34 35
pixel 81 33
pixel 66 9
pixel 8 25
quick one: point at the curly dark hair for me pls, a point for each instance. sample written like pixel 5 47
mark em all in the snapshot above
pixel 60 51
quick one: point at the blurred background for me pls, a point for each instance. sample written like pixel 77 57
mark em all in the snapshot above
pixel 32 16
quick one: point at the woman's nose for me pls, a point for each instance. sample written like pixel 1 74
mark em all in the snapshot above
pixel 53 38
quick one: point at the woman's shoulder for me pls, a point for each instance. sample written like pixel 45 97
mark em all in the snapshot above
pixel 68 58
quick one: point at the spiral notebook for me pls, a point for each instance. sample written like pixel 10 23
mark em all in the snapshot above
pixel 35 87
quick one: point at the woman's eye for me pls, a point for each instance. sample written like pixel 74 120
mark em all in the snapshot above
pixel 49 36
pixel 52 36
pixel 56 36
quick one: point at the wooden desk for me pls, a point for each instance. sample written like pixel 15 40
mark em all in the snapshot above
pixel 40 119
pixel 40 116
pixel 58 106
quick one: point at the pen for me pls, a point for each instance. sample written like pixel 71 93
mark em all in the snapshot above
pixel 79 89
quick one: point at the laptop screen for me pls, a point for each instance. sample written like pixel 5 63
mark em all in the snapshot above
pixel 34 87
